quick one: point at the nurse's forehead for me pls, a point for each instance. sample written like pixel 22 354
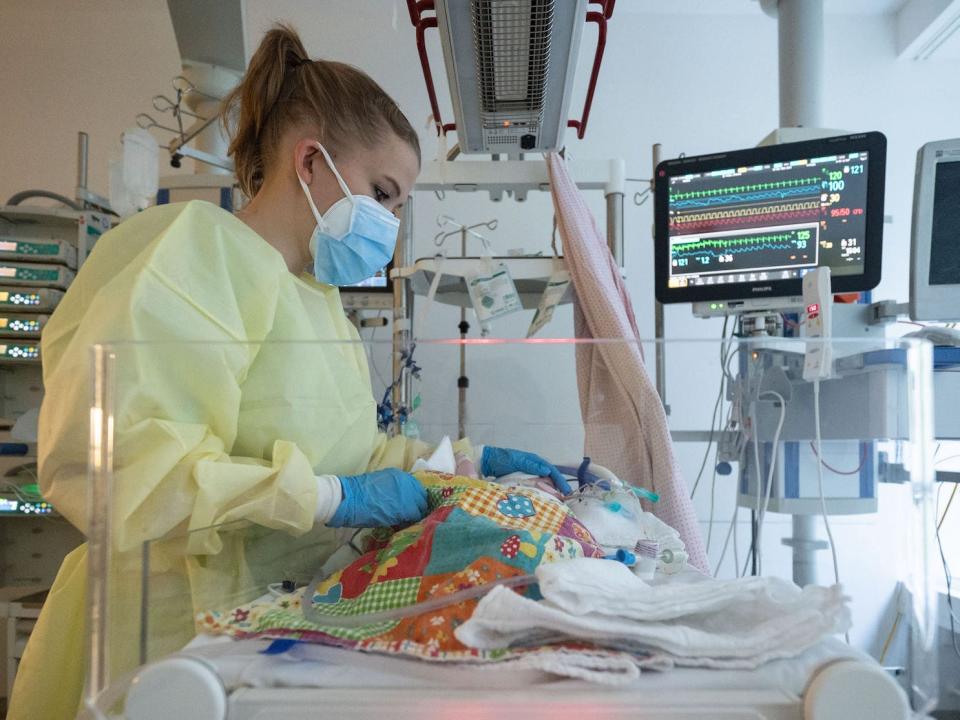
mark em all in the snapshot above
pixel 394 162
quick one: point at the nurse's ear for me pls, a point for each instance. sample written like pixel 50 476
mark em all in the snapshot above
pixel 305 158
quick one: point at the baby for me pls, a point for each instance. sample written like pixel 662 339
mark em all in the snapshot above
pixel 604 504
pixel 611 511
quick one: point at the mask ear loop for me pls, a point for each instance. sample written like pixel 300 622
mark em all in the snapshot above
pixel 317 215
pixel 333 169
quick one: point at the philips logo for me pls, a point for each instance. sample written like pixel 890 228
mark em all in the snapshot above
pixel 762 288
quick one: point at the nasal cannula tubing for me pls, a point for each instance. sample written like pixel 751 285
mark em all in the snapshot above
pixel 313 615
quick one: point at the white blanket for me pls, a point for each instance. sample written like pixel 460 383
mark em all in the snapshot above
pixel 719 624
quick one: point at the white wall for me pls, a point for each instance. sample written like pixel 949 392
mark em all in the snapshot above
pixel 88 65
pixel 694 83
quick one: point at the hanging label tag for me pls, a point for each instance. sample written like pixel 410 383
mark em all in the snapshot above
pixel 493 293
pixel 552 295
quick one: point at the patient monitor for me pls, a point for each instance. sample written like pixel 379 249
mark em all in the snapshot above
pixel 738 230
pixel 935 233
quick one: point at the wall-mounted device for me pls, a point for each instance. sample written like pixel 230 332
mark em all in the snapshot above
pixel 935 233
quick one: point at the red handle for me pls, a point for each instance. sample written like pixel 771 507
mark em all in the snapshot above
pixel 600 18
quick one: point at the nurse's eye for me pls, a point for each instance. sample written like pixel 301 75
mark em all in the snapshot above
pixel 379 195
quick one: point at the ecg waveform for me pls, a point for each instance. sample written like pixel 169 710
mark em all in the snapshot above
pixel 745 222
pixel 768 214
pixel 780 248
pixel 720 196
pixel 794 182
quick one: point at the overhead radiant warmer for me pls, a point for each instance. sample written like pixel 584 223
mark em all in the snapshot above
pixel 510 67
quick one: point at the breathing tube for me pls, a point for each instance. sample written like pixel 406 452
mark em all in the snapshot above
pixel 313 615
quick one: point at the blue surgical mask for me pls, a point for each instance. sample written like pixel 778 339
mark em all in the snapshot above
pixel 354 239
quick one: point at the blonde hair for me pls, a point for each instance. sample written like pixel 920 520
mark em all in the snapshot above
pixel 283 87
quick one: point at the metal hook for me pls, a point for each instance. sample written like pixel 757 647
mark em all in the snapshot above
pixel 445 220
pixel 146 122
pixel 639 198
pixel 185 87
pixel 164 104
pixel 441 194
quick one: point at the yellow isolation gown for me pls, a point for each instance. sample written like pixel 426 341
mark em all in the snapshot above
pixel 227 402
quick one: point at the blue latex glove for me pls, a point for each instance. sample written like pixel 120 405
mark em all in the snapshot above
pixel 497 462
pixel 380 499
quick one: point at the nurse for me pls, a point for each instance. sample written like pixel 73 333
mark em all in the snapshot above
pixel 218 417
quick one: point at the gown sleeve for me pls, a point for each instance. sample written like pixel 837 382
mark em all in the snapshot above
pixel 183 318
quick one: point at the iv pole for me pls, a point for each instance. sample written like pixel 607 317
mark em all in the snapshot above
pixel 463 382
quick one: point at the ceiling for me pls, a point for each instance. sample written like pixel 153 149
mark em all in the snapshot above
pixel 745 7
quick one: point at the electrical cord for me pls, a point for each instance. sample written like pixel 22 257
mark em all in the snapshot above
pixel 823 501
pixel 756 548
pixel 713 427
pixel 863 461
pixel 716 408
pixel 731 529
pixel 758 475
pixel 947 575
pixel 726 542
pixel 947 508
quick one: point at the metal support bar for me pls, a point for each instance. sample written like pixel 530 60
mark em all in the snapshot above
pixel 615 226
pixel 99 534
pixel 514 175
pixel 204 157
pixel 800 40
pixel 658 329
pixel 403 307
pixel 805 545
pixel 83 150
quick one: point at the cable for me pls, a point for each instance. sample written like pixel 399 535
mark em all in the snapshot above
pixel 949 578
pixel 713 497
pixel 713 426
pixel 762 512
pixel 733 520
pixel 726 542
pixel 716 407
pixel 947 508
pixel 823 501
pixel 863 461
pixel 736 552
pixel 756 517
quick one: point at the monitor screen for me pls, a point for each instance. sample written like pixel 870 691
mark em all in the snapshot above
pixel 378 281
pixel 945 230
pixel 751 223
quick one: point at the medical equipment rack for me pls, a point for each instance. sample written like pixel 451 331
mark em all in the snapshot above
pixel 511 177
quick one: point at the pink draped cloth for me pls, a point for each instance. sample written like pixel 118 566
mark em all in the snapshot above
pixel 626 428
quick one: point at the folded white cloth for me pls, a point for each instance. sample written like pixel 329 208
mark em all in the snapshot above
pixel 241 663
pixel 442 460
pixel 723 624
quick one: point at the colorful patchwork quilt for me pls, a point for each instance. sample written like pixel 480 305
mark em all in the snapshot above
pixel 476 533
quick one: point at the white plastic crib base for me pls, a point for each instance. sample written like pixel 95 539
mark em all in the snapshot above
pixel 538 704
pixel 188 689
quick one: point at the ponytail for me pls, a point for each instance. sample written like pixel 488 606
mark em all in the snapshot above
pixel 283 87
